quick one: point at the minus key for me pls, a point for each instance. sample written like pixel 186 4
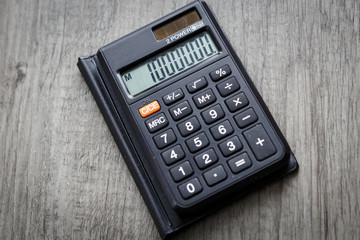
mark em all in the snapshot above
pixel 245 118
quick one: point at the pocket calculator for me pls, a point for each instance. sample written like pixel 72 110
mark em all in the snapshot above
pixel 189 122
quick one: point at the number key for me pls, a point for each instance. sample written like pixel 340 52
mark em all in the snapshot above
pixel 230 146
pixel 190 188
pixel 182 171
pixel 189 126
pixel 198 142
pixel 221 130
pixel 165 139
pixel 206 158
pixel 213 114
pixel 172 155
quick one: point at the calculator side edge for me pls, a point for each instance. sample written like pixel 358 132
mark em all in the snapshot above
pixel 248 79
pixel 88 69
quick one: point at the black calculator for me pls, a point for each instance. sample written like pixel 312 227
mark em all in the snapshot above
pixel 189 122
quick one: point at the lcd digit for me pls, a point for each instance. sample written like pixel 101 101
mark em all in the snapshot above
pixel 169 63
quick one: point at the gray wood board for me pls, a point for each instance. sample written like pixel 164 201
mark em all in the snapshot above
pixel 62 176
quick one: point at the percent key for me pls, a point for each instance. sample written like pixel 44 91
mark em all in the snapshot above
pixel 220 73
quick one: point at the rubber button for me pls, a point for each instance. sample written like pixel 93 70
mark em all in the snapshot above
pixel 149 109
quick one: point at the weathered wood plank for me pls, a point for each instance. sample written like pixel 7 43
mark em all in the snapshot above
pixel 62 176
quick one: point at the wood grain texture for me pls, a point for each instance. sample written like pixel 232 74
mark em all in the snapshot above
pixel 62 176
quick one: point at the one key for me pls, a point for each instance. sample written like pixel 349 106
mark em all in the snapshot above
pixel 173 155
pixel 228 87
pixel 196 85
pixel 246 118
pixel 237 102
pixel 190 188
pixel 156 123
pixel 189 126
pixel 221 130
pixel 204 99
pixel 173 96
pixel 215 175
pixel 165 139
pixel 220 73
pixel 213 114
pixel 230 146
pixel 239 163
pixel 206 158
pixel 259 142
pixel 181 171
pixel 180 111
pixel 197 143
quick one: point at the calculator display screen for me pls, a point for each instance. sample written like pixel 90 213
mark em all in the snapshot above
pixel 169 63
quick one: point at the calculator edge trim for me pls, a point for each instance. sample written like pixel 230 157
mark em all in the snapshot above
pixel 88 68
pixel 165 225
pixel 242 70
pixel 140 175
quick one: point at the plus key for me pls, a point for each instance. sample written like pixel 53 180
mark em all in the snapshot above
pixel 259 142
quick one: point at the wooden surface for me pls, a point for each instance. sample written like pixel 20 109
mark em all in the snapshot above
pixel 62 176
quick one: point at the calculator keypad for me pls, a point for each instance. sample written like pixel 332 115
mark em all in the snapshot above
pixel 214 134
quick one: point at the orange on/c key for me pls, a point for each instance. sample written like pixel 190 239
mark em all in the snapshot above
pixel 149 109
